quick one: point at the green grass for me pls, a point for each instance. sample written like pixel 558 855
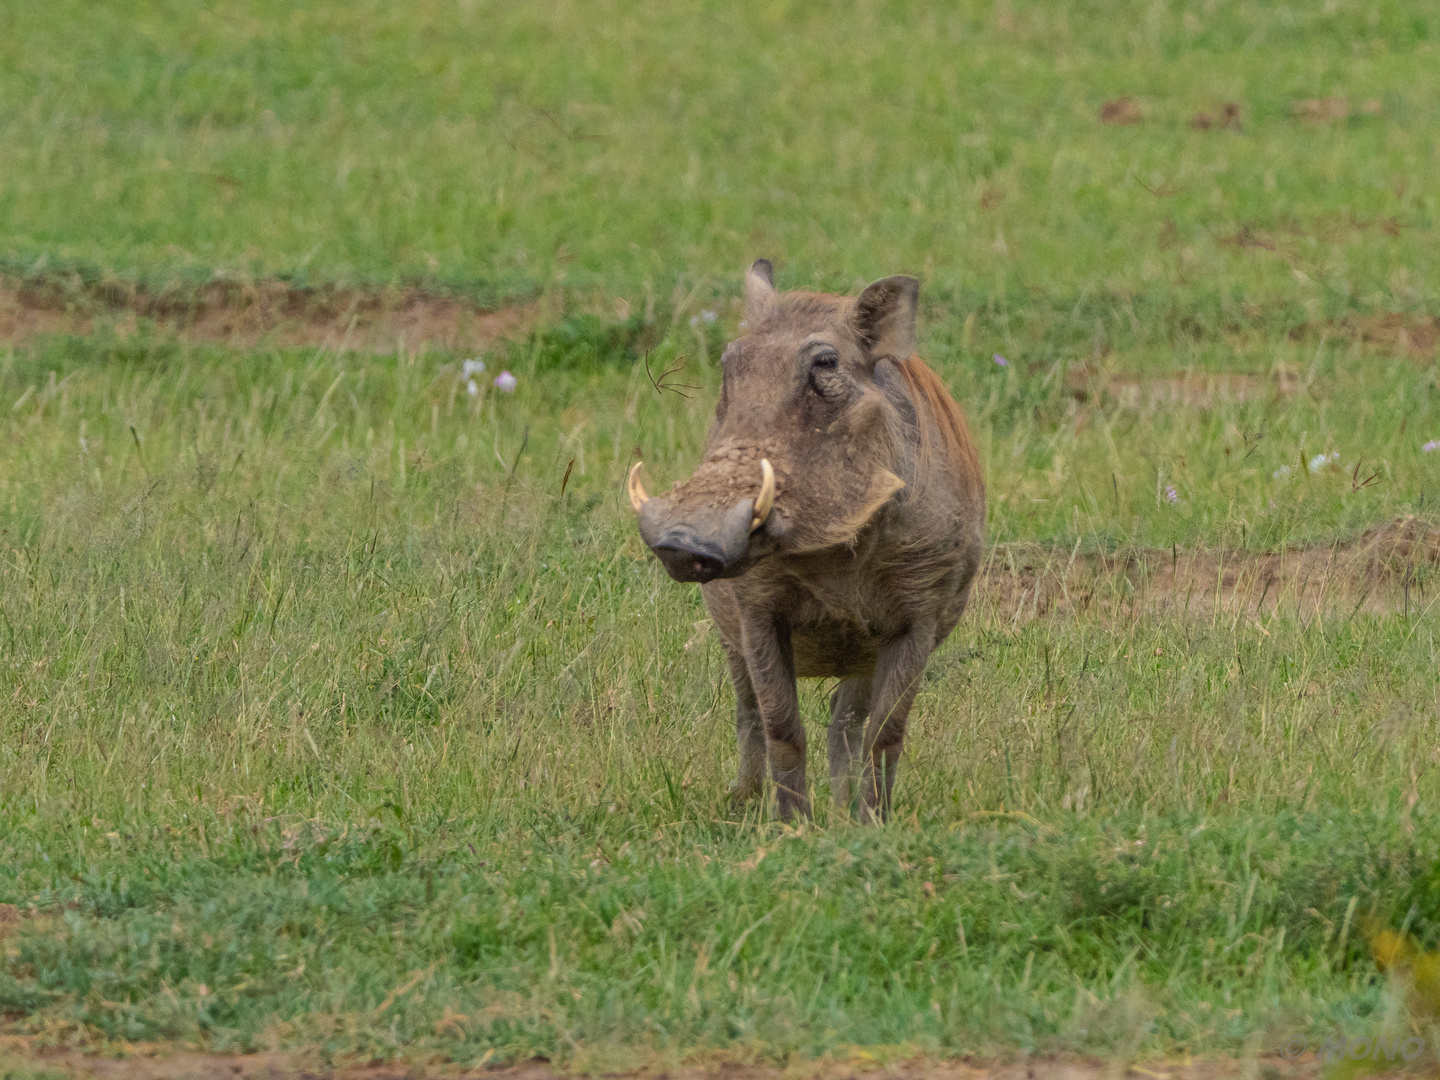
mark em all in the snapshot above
pixel 328 721
pixel 618 147
pixel 315 683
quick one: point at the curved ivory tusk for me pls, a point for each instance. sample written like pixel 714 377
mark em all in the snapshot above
pixel 635 488
pixel 767 495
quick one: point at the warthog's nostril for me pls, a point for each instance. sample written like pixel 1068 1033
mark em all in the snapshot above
pixel 702 545
pixel 685 563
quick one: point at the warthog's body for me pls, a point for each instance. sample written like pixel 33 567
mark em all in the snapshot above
pixel 857 561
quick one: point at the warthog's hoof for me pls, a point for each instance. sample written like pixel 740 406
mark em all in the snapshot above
pixel 743 791
pixel 788 809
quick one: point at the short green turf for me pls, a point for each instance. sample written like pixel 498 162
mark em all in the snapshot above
pixel 334 716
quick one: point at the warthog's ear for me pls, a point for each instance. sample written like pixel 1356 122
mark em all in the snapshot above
pixel 760 295
pixel 885 318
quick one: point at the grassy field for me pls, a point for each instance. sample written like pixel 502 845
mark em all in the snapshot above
pixel 619 147
pixel 344 711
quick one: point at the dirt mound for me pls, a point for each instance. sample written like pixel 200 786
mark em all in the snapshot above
pixel 266 312
pixel 1394 567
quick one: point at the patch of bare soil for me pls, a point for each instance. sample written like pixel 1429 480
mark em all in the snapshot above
pixel 1409 335
pixel 1294 242
pixel 161 1063
pixel 1201 391
pixel 1121 111
pixel 264 313
pixel 1227 117
pixel 1389 568
pixel 1333 108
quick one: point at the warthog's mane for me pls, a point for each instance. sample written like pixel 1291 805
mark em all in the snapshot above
pixel 955 450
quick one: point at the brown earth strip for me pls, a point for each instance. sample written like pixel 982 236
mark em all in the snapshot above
pixel 1388 568
pixel 1409 335
pixel 264 313
pixel 1201 391
pixel 1412 336
pixel 165 1063
pixel 371 320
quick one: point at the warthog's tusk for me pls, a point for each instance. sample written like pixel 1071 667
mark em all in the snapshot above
pixel 635 488
pixel 767 495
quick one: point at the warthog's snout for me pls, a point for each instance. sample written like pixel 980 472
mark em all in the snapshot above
pixel 701 543
pixel 689 557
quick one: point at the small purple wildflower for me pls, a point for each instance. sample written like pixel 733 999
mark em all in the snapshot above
pixel 1430 447
pixel 506 382
pixel 1171 495
pixel 1000 361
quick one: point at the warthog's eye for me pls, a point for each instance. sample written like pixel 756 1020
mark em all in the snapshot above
pixel 822 372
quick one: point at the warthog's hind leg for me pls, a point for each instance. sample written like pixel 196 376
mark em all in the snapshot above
pixel 849 705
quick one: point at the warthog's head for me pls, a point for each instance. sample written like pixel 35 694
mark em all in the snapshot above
pixel 804 439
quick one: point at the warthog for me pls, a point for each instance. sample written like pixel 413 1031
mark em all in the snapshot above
pixel 835 528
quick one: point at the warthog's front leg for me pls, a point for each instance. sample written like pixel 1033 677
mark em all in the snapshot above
pixel 898 669
pixel 749 730
pixel 771 664
pixel 849 706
